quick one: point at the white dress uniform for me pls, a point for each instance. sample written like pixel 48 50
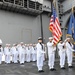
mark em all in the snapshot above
pixel 7 54
pixel 26 49
pixel 1 53
pixel 51 54
pixel 40 53
pixel 34 54
pixel 62 54
pixel 14 54
pixel 30 48
pixel 28 54
pixel 21 52
pixel 69 50
pixel 25 54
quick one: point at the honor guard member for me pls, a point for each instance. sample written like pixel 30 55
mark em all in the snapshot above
pixel 69 50
pixel 31 48
pixel 51 53
pixel 25 52
pixel 21 52
pixel 40 53
pixel 14 53
pixel 28 53
pixel 62 50
pixel 7 54
pixel 34 53
pixel 1 51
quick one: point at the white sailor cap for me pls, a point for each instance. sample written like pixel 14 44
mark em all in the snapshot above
pixel 40 38
pixel 50 38
pixel 67 38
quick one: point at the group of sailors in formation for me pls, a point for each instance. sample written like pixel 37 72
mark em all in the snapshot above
pixel 38 52
pixel 18 52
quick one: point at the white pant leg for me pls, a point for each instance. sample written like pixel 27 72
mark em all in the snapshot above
pixel 33 57
pixel 40 62
pixel 3 57
pixel 61 59
pixel 23 58
pixel 20 58
pixel 53 60
pixel 50 61
pixel 0 58
pixel 69 58
pixel 15 58
pixel 28 57
pixel 9 58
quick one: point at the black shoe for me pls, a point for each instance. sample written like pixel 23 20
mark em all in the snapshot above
pixel 70 66
pixel 40 71
pixel 53 69
pixel 63 68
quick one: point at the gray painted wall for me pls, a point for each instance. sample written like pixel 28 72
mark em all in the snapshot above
pixel 17 27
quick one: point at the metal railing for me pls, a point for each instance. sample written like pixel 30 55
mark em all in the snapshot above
pixel 25 3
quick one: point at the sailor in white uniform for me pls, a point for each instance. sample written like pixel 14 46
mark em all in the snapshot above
pixel 1 51
pixel 25 52
pixel 21 51
pixel 33 53
pixel 14 53
pixel 62 50
pixel 40 52
pixel 7 54
pixel 51 53
pixel 28 53
pixel 69 51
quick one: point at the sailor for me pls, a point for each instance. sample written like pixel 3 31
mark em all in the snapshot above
pixel 7 54
pixel 28 53
pixel 33 53
pixel 40 52
pixel 51 53
pixel 25 52
pixel 21 51
pixel 69 51
pixel 14 53
pixel 62 51
pixel 1 51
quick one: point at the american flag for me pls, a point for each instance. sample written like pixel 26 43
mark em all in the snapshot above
pixel 54 27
